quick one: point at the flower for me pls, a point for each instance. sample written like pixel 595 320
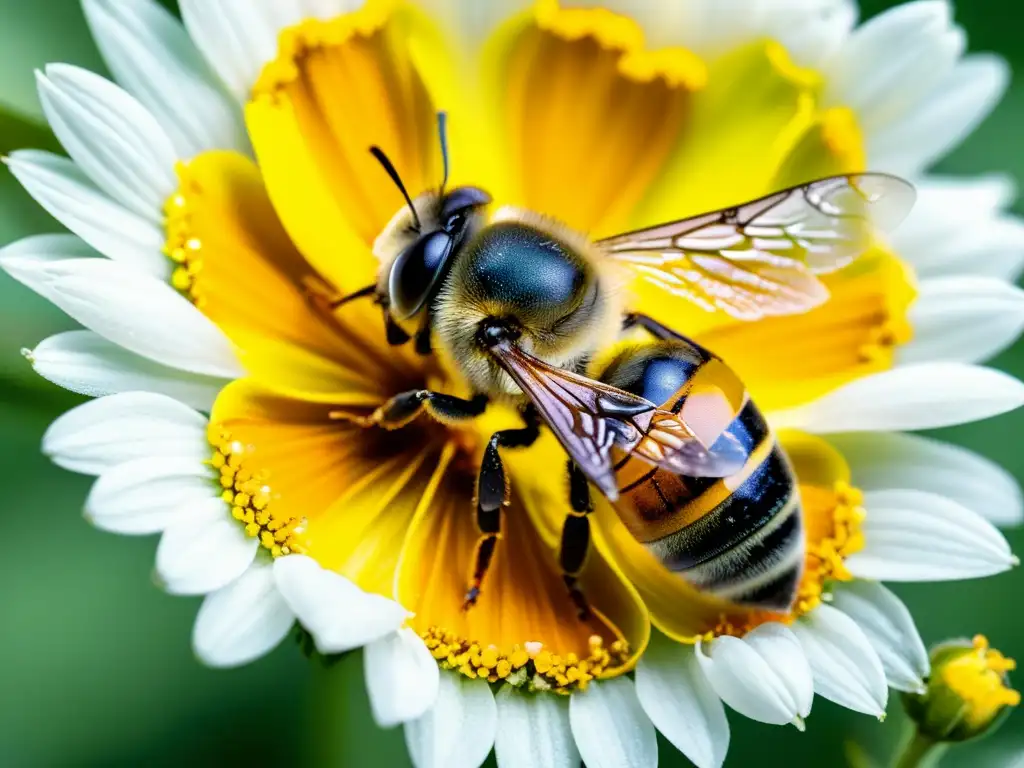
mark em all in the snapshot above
pixel 212 279
pixel 967 693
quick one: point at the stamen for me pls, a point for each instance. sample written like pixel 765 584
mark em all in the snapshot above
pixel 979 679
pixel 530 665
pixel 249 495
pixel 838 537
pixel 182 246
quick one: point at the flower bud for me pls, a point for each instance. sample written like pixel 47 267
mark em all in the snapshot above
pixel 967 691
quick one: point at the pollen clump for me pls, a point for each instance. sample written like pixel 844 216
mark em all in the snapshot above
pixel 529 665
pixel 249 495
pixel 182 247
pixel 825 558
pixel 833 534
pixel 979 679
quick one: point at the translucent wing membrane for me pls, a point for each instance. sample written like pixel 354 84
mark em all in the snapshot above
pixel 589 417
pixel 761 258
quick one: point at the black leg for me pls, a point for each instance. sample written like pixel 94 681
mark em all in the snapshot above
pixel 576 537
pixel 492 494
pixel 404 407
pixel 395 335
pixel 423 340
pixel 652 326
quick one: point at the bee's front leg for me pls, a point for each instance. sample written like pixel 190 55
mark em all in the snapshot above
pixel 572 554
pixel 404 407
pixel 492 495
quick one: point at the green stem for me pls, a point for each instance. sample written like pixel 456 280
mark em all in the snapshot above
pixel 919 752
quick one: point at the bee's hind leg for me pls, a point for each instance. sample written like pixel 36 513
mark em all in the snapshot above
pixel 576 538
pixel 492 495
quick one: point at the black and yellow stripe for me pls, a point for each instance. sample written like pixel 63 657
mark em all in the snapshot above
pixel 739 537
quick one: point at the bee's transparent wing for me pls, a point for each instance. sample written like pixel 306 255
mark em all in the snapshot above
pixel 589 417
pixel 761 258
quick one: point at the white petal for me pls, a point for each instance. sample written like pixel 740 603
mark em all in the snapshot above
pixel 152 57
pixel 610 727
pixel 88 364
pixel 111 430
pixel 764 676
pixel 145 495
pixel 204 549
pixel 534 731
pixel 963 319
pixel 28 260
pixel 242 621
pixel 894 60
pixel 888 460
pixel 111 137
pixel 681 702
pixel 943 119
pixel 846 668
pixel 338 614
pixel 142 314
pixel 889 628
pixel 959 226
pixel 923 396
pixel 238 37
pixel 918 536
pixel 458 732
pixel 77 203
pixel 401 677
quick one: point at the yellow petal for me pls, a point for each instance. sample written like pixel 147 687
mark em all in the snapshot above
pixel 785 361
pixel 831 145
pixel 741 127
pixel 756 105
pixel 590 114
pixel 524 606
pixel 336 88
pixel 355 489
pixel 246 275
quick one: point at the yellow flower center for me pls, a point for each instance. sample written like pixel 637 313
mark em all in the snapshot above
pixel 249 495
pixel 979 679
pixel 530 665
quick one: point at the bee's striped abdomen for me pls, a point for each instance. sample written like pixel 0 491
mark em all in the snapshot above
pixel 738 537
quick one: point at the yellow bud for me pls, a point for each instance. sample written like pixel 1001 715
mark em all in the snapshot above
pixel 968 692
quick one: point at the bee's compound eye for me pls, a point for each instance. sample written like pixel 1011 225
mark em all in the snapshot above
pixel 416 271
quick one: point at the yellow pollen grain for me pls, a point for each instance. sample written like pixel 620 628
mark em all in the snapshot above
pixel 249 496
pixel 181 246
pixel 979 678
pixel 529 664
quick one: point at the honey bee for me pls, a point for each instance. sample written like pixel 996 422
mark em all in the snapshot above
pixel 532 312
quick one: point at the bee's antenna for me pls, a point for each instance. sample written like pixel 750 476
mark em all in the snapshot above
pixel 378 153
pixel 442 131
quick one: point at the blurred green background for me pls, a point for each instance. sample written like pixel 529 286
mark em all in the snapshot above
pixel 95 666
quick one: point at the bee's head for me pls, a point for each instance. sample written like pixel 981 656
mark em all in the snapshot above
pixel 418 246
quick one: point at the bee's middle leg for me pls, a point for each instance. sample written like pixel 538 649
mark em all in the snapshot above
pixel 492 495
pixel 575 544
pixel 403 408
